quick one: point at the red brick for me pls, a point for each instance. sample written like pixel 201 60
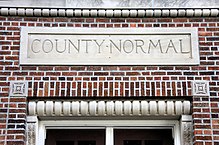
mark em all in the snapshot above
pixel 46 19
pixel 77 20
pixel 101 73
pixel 126 25
pixel 102 20
pixel 211 20
pixel 36 73
pixel 180 20
pixel 196 20
pixel 164 20
pixel 12 68
pixel 117 25
pixel 13 28
pixel 158 73
pixel 117 73
pixel 45 68
pixel 53 73
pixel 132 73
pixel 2 18
pixel 20 73
pixel 30 19
pixel 117 20
pixel 111 25
pixel 102 25
pixel 6 24
pixel 15 19
pixel 212 29
pixel 77 25
pixel 85 73
pixel 133 25
pixel 62 25
pixel 69 73
pixel 5 43
pixel 136 20
pixel 202 33
pixel 93 25
pixel 148 20
pixel 124 68
pixel 94 68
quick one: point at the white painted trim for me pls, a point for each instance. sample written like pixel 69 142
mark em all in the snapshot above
pixel 109 125
pixel 41 135
pixel 176 134
pixel 109 12
pixel 109 136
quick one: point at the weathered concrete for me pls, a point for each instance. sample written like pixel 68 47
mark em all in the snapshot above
pixel 111 3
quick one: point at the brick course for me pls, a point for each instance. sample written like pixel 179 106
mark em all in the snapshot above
pixel 108 81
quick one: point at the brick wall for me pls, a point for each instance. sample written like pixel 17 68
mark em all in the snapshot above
pixel 108 81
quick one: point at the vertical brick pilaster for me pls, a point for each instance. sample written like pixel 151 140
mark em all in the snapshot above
pixel 16 120
pixel 203 133
pixel 16 114
pixel 3 119
pixel 202 118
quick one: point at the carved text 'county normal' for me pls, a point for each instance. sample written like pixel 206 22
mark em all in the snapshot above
pixel 126 46
pixel 111 46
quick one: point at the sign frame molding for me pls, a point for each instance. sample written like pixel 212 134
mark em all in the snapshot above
pixel 26 31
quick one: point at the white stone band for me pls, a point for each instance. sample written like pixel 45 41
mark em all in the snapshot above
pixel 92 12
pixel 109 108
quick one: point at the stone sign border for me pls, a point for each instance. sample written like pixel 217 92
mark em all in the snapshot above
pixel 26 31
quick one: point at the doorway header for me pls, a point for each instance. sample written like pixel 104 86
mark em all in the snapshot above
pixel 108 108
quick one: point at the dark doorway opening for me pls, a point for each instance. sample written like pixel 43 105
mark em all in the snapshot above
pixel 143 137
pixel 75 137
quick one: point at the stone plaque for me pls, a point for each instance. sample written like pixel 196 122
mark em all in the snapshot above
pixel 18 88
pixel 200 88
pixel 109 46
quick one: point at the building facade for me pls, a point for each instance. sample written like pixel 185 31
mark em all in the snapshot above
pixel 166 97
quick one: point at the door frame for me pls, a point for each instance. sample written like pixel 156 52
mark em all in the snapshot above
pixel 109 126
